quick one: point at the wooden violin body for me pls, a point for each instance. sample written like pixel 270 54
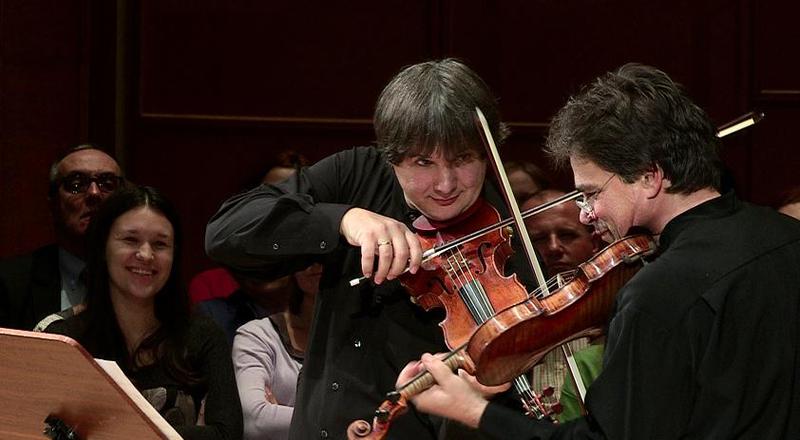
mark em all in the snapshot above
pixel 515 339
pixel 468 281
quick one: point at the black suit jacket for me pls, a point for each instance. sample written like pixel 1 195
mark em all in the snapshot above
pixel 30 288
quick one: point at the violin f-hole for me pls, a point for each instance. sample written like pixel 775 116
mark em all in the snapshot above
pixel 482 250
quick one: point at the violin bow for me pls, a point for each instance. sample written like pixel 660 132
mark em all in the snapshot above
pixel 440 249
pixel 511 202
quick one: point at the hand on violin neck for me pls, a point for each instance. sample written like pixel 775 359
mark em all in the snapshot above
pixel 395 246
pixel 454 396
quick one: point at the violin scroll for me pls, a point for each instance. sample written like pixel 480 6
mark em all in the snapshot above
pixel 394 405
pixel 396 401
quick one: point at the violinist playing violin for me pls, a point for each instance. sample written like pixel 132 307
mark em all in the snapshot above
pixel 352 212
pixel 704 341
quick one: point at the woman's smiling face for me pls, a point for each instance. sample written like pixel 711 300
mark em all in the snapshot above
pixel 139 254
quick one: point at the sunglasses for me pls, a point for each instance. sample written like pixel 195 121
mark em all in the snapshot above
pixel 78 183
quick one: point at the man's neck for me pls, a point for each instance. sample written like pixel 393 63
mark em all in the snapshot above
pixel 74 246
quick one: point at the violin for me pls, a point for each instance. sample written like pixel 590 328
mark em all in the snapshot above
pixel 468 281
pixel 516 338
pixel 458 277
pixel 512 341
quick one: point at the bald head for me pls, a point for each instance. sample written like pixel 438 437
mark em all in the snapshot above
pixel 557 233
pixel 73 206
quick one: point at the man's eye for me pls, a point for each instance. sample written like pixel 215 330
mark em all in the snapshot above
pixel 73 184
pixel 423 162
pixel 567 236
pixel 465 158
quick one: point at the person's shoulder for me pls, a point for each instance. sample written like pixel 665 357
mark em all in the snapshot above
pixel 259 328
pixel 357 157
pixel 73 326
pixel 663 291
pixel 47 254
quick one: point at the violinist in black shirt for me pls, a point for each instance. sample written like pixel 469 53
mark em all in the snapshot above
pixel 704 341
pixel 352 212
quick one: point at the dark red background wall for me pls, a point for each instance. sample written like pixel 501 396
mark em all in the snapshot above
pixel 195 100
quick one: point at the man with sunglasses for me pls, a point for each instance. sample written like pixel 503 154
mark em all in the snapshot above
pixel 704 341
pixel 48 280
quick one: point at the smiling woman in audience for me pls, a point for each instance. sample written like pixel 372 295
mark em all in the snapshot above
pixel 137 315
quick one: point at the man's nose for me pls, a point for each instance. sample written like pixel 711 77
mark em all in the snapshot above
pixel 93 189
pixel 445 180
pixel 553 243
pixel 586 218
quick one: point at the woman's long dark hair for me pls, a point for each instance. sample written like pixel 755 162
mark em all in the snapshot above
pixel 102 336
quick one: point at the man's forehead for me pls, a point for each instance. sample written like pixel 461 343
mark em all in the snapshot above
pixel 88 161
pixel 587 174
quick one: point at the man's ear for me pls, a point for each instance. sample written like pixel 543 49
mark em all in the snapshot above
pixel 653 181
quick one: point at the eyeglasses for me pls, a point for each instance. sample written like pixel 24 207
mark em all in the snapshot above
pixel 77 183
pixel 586 201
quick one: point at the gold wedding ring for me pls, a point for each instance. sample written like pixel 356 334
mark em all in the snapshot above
pixel 384 242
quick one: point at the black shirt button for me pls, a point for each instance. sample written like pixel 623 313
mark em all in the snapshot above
pixel 275 246
pixel 323 433
pixel 323 244
pixel 357 343
pixel 335 386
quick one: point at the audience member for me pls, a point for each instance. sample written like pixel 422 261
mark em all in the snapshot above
pixel 254 299
pixel 137 315
pixel 557 233
pixel 218 282
pixel 210 284
pixel 791 204
pixel 48 280
pixel 563 243
pixel 267 356
pixel 526 179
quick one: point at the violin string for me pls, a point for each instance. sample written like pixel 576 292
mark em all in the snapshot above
pixel 455 273
pixel 553 282
pixel 478 304
pixel 482 303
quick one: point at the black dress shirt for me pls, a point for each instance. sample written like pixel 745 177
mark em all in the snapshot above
pixel 705 340
pixel 361 336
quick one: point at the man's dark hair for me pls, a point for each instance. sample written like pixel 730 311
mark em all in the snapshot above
pixel 632 120
pixel 431 106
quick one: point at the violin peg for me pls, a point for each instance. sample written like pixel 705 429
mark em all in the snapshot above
pixel 382 415
pixel 547 392
pixel 393 396
pixel 556 408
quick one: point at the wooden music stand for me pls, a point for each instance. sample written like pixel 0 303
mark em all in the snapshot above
pixel 45 375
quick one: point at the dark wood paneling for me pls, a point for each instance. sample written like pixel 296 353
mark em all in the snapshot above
pixel 275 59
pixel 217 87
pixel 43 89
pixel 776 41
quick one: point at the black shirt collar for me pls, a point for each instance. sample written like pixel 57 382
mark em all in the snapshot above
pixel 715 208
